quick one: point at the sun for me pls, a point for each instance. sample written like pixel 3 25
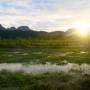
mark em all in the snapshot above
pixel 82 29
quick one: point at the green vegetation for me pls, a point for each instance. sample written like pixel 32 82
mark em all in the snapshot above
pixel 44 54
pixel 47 81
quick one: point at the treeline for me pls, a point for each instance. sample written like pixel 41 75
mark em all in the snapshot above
pixel 18 42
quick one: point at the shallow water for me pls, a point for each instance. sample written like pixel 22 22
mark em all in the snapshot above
pixel 43 68
pixel 61 54
pixel 24 54
pixel 83 52
pixel 38 53
pixel 65 53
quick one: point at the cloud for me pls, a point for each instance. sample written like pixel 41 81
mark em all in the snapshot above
pixel 44 14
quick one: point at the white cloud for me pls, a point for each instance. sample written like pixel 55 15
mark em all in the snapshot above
pixel 44 14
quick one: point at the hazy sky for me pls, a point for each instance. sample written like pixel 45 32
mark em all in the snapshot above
pixel 45 14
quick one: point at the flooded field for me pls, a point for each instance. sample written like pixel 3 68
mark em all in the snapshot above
pixel 43 55
pixel 38 68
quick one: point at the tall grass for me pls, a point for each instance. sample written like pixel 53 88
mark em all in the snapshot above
pixel 46 81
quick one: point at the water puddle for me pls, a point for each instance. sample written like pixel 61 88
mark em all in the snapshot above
pixel 43 68
pixel 25 54
pixel 15 52
pixel 10 55
pixel 65 54
pixel 38 53
pixel 62 54
pixel 83 52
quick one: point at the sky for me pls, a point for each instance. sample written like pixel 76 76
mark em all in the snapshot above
pixel 45 15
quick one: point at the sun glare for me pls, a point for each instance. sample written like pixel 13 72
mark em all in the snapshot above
pixel 82 28
pixel 82 31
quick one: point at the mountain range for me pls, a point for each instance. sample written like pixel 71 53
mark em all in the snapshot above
pixel 26 32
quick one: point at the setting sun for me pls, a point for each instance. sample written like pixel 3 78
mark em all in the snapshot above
pixel 82 31
pixel 82 28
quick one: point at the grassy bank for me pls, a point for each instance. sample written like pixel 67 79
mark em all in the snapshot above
pixel 47 81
